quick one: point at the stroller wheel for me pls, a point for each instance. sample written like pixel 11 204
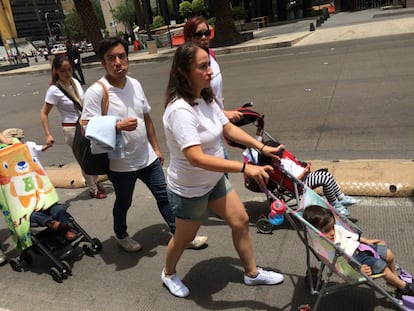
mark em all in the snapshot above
pixel 56 274
pixel 15 264
pixel 97 245
pixel 67 269
pixel 88 250
pixel 264 226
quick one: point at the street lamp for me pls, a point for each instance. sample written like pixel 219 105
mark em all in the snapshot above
pixel 47 24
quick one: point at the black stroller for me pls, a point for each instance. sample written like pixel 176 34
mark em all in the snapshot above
pixel 25 188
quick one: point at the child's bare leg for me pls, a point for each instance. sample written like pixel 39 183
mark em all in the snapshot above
pixel 393 279
pixel 391 262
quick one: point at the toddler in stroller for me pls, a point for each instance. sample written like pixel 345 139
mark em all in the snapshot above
pixel 28 199
pixel 375 257
pixel 288 163
pixel 320 178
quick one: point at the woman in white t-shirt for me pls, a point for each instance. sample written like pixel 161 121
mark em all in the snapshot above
pixel 197 30
pixel 66 93
pixel 193 126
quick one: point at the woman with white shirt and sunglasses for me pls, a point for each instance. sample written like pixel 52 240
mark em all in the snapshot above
pixel 197 30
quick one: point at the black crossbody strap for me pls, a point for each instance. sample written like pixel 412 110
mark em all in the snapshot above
pixel 70 96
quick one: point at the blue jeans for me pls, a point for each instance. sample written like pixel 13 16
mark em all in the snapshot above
pixel 124 183
pixel 55 212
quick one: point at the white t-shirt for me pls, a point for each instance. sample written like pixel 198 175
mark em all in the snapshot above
pixel 68 112
pixel 127 102
pixel 186 126
pixel 216 82
pixel 34 151
pixel 291 167
pixel 347 240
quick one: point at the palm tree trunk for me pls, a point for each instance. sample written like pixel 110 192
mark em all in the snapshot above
pixel 89 21
pixel 139 15
pixel 225 32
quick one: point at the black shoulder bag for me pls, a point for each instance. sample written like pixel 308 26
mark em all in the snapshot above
pixel 92 164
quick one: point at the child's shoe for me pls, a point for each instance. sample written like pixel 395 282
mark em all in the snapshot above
pixel 341 209
pixel 347 200
pixel 408 290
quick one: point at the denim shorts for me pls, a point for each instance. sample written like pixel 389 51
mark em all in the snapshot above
pixel 196 208
pixel 377 264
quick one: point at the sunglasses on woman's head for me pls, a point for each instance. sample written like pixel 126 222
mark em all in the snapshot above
pixel 200 34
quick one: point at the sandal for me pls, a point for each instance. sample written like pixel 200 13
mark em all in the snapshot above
pixel 65 230
pixel 68 233
pixel 405 275
pixel 54 225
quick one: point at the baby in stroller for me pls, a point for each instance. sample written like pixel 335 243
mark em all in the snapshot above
pixel 375 257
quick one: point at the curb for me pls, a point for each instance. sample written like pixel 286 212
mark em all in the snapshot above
pixel 365 177
pixel 374 178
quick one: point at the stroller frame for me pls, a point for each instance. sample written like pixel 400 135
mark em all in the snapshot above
pixel 337 262
pixel 288 188
pixel 25 188
pixel 56 249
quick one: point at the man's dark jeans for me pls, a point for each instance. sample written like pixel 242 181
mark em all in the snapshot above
pixel 124 183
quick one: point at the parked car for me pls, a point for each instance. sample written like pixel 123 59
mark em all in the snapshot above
pixel 58 49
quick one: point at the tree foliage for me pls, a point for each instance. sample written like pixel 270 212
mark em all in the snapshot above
pixel 185 9
pixel 123 14
pixel 157 21
pixel 198 6
pixel 72 27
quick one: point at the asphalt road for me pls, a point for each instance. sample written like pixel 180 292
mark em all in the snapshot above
pixel 342 100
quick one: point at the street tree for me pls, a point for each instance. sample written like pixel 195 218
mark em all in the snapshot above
pixel 72 27
pixel 123 14
pixel 139 14
pixel 185 9
pixel 90 21
pixel 225 32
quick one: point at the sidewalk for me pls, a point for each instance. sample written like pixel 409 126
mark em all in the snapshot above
pixel 340 26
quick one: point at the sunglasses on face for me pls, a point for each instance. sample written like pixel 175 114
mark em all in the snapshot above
pixel 200 34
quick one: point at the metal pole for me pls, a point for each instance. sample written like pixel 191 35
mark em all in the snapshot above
pixel 47 24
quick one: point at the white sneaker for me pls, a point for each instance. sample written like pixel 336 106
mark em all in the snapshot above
pixel 129 244
pixel 198 242
pixel 264 277
pixel 174 285
pixel 347 200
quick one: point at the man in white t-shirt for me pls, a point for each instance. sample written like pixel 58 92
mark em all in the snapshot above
pixel 142 158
